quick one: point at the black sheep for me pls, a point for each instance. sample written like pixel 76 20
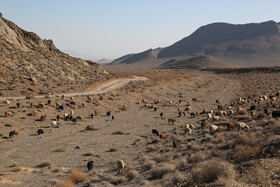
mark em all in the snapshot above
pixel 155 132
pixel 40 131
pixel 90 165
pixel 11 134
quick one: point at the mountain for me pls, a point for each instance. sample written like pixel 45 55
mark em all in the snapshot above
pixel 198 62
pixel 76 54
pixel 24 55
pixel 104 61
pixel 254 44
pixel 231 42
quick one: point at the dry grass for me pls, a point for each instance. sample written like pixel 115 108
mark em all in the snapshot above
pixel 17 131
pixel 65 183
pixel 245 152
pixel 159 172
pixel 197 157
pixel 89 153
pixel 60 149
pixel 148 164
pixel 46 163
pixel 132 174
pixel 258 176
pixel 116 180
pixel 77 176
pixel 162 158
pixel 2 134
pixel 210 170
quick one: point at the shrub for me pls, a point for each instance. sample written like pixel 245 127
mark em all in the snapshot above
pixel 65 183
pixel 132 174
pixel 89 153
pixel 149 164
pixel 60 149
pixel 46 163
pixel 210 170
pixel 197 157
pixel 77 176
pixel 257 176
pixel 245 152
pixel 17 131
pixel 16 169
pixel 159 172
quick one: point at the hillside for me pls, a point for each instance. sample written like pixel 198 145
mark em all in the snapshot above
pixel 198 62
pixel 26 58
pixel 229 41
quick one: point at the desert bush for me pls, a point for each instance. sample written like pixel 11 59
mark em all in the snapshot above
pixel 65 183
pixel 258 176
pixel 15 169
pixel 113 149
pixel 245 152
pixel 17 131
pixel 178 178
pixel 77 176
pixel 116 180
pixel 182 163
pixel 148 164
pixel 60 149
pixel 247 139
pixel 210 170
pixel 46 163
pixel 2 134
pixel 162 158
pixel 159 172
pixel 132 174
pixel 197 157
pixel 276 128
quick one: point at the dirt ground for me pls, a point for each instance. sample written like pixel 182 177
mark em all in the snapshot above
pixel 149 160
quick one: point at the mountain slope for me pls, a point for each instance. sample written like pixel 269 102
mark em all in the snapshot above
pixel 198 62
pixel 222 39
pixel 24 55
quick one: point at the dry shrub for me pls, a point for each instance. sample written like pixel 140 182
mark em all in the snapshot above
pixel 257 176
pixel 116 180
pixel 197 157
pixel 89 153
pixel 149 164
pixel 17 131
pixel 210 170
pixel 162 158
pixel 46 163
pixel 130 167
pixel 65 183
pixel 245 152
pixel 132 174
pixel 247 139
pixel 178 178
pixel 90 128
pixel 15 169
pixel 113 149
pixel 60 149
pixel 159 172
pixel 2 134
pixel 195 147
pixel 77 176
pixel 182 164
pixel 276 128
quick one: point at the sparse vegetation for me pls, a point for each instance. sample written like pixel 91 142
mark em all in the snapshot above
pixel 60 149
pixel 46 163
pixel 65 183
pixel 77 176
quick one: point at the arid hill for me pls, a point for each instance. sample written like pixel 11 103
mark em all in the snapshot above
pixel 24 56
pixel 254 44
pixel 198 62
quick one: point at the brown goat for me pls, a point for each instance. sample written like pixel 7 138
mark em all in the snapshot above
pixel 43 117
pixel 230 125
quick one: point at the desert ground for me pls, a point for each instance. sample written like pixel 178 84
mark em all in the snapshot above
pixel 226 157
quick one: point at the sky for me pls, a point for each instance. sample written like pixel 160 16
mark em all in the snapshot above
pixel 113 28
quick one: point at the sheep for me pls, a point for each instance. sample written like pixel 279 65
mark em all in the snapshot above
pixel 34 113
pixel 41 105
pixel 216 118
pixel 57 104
pixel 71 112
pixel 32 105
pixel 188 103
pixel 11 134
pixel 276 114
pixel 241 125
pixel 218 102
pixel 171 121
pixel 101 97
pixel 7 102
pixel 188 108
pixel 40 131
pixel 191 126
pixel 174 144
pixel 241 111
pixel 124 107
pixel 49 102
pixel 187 129
pixel 253 113
pixel 230 125
pixel 161 114
pixel 72 98
pixel 62 97
pixel 90 165
pixel 266 111
pixel 231 112
pixel 8 113
pixel 155 132
pixel 54 124
pixel 66 116
pixel 179 109
pixel 120 165
pixel 193 115
pixel 220 107
pixel 61 107
pixel 108 113
pixel 163 136
pixel 96 112
pixel 18 104
pixel 209 116
pixel 211 112
pixel 89 98
pixel 213 129
pixel 43 117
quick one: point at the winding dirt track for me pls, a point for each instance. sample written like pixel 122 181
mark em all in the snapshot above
pixel 106 87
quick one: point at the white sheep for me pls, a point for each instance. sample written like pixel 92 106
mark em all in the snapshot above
pixel 7 102
pixel 209 116
pixel 191 126
pixel 54 124
pixel 211 112
pixel 65 116
pixel 216 118
pixel 79 118
pixel 72 98
pixel 71 112
pixel 120 165
pixel 242 126
pixel 213 128
pixel 187 130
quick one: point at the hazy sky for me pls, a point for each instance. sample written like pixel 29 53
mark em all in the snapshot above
pixel 112 28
